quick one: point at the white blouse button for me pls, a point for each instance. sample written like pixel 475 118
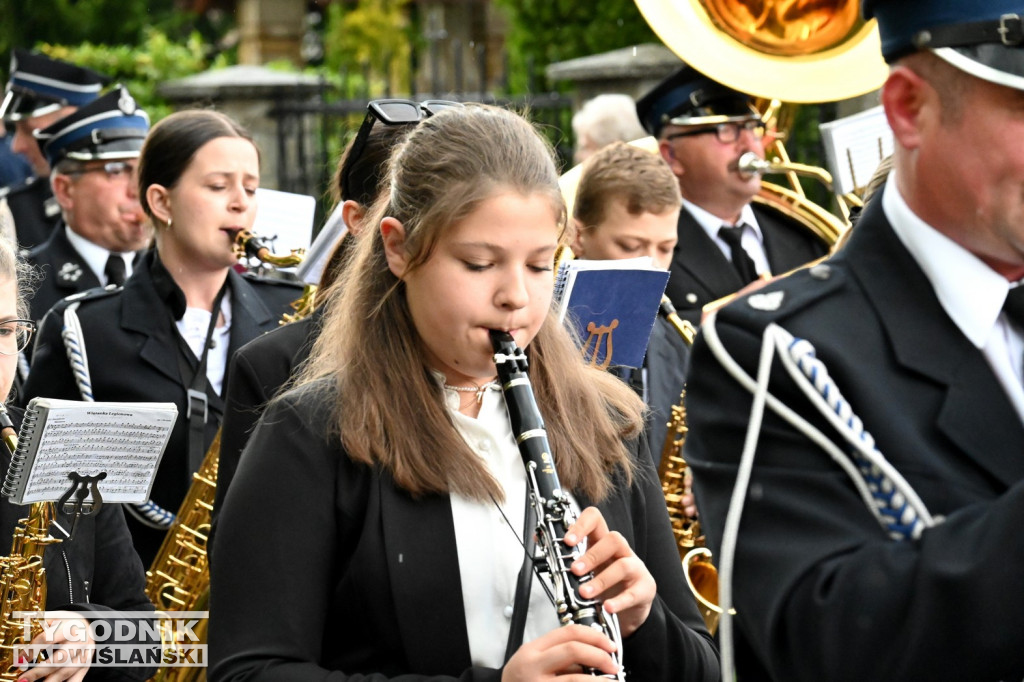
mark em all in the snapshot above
pixel 508 611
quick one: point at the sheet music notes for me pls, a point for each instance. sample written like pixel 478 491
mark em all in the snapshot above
pixel 57 437
pixel 854 146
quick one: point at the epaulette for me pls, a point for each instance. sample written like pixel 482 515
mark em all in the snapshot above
pixel 791 294
pixel 276 281
pixel 93 294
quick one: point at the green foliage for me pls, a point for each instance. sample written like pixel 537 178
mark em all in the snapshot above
pixel 23 23
pixel 542 32
pixel 140 70
pixel 372 41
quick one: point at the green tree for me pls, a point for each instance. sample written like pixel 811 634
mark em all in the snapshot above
pixel 542 32
pixel 372 39
pixel 140 70
pixel 26 23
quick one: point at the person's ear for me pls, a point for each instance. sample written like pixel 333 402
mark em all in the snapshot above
pixel 63 190
pixel 159 200
pixel 669 154
pixel 353 213
pixel 393 233
pixel 577 238
pixel 910 103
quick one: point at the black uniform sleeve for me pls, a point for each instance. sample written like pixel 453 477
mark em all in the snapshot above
pixel 673 643
pixel 50 375
pixel 821 591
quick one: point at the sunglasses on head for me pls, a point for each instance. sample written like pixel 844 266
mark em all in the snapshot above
pixel 392 112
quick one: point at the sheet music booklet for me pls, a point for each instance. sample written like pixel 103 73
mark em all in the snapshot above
pixel 57 437
pixel 854 146
pixel 612 305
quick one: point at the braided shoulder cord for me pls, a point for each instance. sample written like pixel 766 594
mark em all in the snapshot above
pixel 148 513
pixel 897 506
pixel 888 496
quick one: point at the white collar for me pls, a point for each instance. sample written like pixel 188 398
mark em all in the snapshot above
pixel 95 256
pixel 970 292
pixel 711 223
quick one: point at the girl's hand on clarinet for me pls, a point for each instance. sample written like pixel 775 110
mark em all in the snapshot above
pixel 621 580
pixel 563 654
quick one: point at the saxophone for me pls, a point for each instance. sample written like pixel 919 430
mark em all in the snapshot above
pixel 554 515
pixel 701 574
pixel 179 577
pixel 22 575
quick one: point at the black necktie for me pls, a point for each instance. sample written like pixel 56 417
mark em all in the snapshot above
pixel 741 260
pixel 1014 306
pixel 114 270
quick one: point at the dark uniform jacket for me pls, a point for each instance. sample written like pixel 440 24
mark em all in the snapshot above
pixel 378 578
pixel 701 273
pixel 35 210
pixel 665 362
pixel 258 372
pixel 96 571
pixel 134 348
pixel 63 270
pixel 821 590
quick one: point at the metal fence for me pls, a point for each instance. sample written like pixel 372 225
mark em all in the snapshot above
pixel 312 132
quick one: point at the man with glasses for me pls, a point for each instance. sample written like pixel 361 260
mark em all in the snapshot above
pixel 93 154
pixel 725 242
pixel 40 92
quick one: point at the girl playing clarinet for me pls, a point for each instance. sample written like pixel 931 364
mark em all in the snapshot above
pixel 374 528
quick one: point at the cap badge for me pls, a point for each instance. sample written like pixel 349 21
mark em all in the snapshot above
pixel 126 103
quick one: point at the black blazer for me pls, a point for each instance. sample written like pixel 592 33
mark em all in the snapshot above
pixel 35 210
pixel 375 587
pixel 821 591
pixel 258 371
pixel 701 273
pixel 133 350
pixel 64 272
pixel 94 572
pixel 667 357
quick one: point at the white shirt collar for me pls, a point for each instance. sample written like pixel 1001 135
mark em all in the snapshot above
pixel 96 256
pixel 970 292
pixel 711 223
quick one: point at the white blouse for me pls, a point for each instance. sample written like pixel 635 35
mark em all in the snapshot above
pixel 489 544
pixel 194 325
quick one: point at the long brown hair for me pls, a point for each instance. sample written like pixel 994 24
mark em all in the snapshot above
pixel 389 409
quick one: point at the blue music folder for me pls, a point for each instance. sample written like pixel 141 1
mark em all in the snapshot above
pixel 612 306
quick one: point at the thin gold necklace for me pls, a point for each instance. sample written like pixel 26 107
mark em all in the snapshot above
pixel 478 390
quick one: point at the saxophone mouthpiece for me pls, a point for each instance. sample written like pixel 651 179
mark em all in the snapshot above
pixel 665 308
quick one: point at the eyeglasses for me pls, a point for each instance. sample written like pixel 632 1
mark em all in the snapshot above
pixel 392 112
pixel 115 170
pixel 727 133
pixel 15 335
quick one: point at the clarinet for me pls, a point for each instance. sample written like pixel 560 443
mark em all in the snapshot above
pixel 553 512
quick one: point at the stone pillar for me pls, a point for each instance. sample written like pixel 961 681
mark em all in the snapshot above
pixel 248 94
pixel 271 29
pixel 629 70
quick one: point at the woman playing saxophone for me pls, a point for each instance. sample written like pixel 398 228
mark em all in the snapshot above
pixel 391 472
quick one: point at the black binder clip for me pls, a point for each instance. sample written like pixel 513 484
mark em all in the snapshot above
pixel 88 499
